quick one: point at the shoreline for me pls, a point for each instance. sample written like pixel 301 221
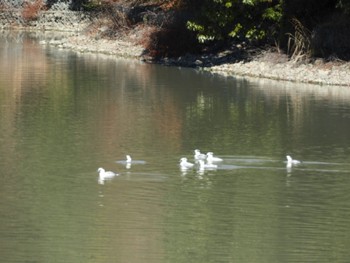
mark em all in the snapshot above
pixel 85 31
pixel 318 73
pixel 266 65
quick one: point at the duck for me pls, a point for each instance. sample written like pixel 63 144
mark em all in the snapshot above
pixel 291 162
pixel 185 164
pixel 211 158
pixel 198 155
pixel 203 165
pixel 105 175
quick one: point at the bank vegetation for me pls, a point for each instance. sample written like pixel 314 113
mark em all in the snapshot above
pixel 302 29
pixel 295 30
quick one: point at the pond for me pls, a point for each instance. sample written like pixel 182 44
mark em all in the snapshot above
pixel 64 114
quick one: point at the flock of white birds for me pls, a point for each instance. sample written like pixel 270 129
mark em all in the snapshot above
pixel 202 162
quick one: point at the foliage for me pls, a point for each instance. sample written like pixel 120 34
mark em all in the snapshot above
pixel 242 19
pixel 309 13
pixel 344 5
pixel 96 4
pixel 180 26
pixel 171 41
pixel 316 28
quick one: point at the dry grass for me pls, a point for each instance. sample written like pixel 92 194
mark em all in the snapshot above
pixel 117 17
pixel 31 10
pixel 158 33
pixel 299 43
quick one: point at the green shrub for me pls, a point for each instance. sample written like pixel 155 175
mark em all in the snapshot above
pixel 241 19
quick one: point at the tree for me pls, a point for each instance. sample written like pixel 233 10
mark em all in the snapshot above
pixel 241 19
pixel 344 5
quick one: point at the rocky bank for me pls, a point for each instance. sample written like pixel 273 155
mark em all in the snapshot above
pixel 264 64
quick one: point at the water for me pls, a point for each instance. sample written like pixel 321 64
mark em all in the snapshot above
pixel 63 115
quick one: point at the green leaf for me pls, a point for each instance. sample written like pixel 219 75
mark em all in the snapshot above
pixel 228 4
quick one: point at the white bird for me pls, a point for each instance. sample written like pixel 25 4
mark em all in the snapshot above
pixel 105 175
pixel 198 155
pixel 211 158
pixel 184 164
pixel 128 161
pixel 203 165
pixel 291 162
